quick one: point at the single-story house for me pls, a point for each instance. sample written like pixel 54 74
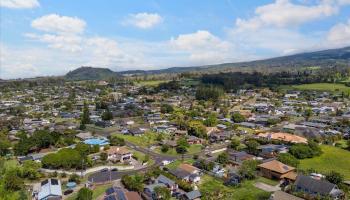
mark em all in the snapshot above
pixel 274 169
pixel 315 187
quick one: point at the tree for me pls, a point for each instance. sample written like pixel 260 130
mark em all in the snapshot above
pixel 166 108
pixel 12 181
pixel 103 156
pixel 196 128
pixel 301 151
pixel 30 170
pixel 223 158
pixel 235 143
pixel 335 177
pixel 182 142
pixel 162 193
pixel 133 182
pixel 248 169
pixel 206 93
pixel 84 194
pixel 307 114
pixel 252 146
pixel 4 144
pixel 85 119
pixel 237 117
pixel 181 149
pixel 288 159
pixel 211 120
pixel 165 148
pixel 107 115
pixel 116 141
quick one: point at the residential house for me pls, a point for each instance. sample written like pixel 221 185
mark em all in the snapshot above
pixel 194 140
pixel 272 150
pixel 116 193
pixel 50 189
pixel 193 195
pixel 285 137
pixel 276 170
pixel 280 195
pixel 118 154
pixel 315 187
pixel 237 157
pixel 149 192
pixel 168 182
pixel 187 173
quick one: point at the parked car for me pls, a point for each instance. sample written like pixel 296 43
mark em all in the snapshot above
pixel 114 169
pixel 68 192
pixel 104 170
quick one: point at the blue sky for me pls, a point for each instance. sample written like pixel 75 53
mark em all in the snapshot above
pixel 50 37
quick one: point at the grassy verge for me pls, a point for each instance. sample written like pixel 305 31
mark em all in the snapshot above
pixel 333 158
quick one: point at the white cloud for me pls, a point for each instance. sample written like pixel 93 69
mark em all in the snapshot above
pixel 59 24
pixel 339 35
pixel 19 4
pixel 63 32
pixel 143 20
pixel 203 47
pixel 283 13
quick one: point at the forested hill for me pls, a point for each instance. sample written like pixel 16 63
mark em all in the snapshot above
pixel 325 58
pixel 90 73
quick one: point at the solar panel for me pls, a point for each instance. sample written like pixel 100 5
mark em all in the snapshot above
pixel 111 197
pixel 54 182
pixel 109 191
pixel 44 182
pixel 285 167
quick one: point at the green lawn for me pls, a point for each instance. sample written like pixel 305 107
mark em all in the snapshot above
pixel 333 158
pixel 143 141
pixel 176 163
pixel 97 192
pixel 266 181
pixel 195 148
pixel 331 87
pixel 247 190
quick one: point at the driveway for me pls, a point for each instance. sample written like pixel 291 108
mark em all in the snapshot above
pixel 266 187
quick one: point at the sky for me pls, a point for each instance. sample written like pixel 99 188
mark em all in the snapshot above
pixel 52 37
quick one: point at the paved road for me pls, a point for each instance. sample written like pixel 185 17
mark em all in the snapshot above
pixel 100 177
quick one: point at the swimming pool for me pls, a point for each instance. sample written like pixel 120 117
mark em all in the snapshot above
pixel 97 141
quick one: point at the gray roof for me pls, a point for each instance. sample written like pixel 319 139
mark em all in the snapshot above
pixel 50 188
pixel 152 186
pixel 313 185
pixel 179 173
pixel 193 194
pixel 280 195
pixel 165 180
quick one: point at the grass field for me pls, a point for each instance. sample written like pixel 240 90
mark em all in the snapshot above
pixel 143 141
pixel 196 148
pixel 176 163
pixel 333 158
pixel 331 87
pixel 246 191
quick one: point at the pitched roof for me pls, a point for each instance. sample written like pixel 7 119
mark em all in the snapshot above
pixel 280 195
pixel 314 185
pixel 193 194
pixel 118 150
pixel 179 173
pixel 287 137
pixel 187 167
pixel 165 180
pixel 50 187
pixel 276 166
